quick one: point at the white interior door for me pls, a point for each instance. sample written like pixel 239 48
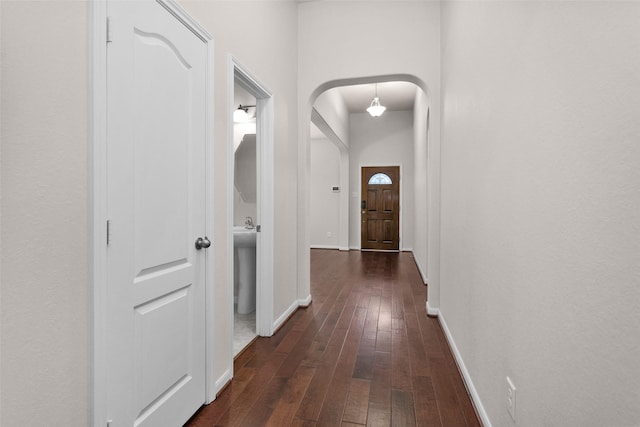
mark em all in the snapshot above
pixel 156 85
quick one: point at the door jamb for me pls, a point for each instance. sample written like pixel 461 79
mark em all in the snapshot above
pixel 97 14
pixel 265 172
pixel 97 189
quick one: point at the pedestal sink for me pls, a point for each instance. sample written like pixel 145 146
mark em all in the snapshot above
pixel 244 241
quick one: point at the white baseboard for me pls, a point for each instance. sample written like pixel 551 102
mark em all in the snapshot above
pixel 304 302
pixel 343 248
pixel 425 279
pixel 475 398
pixel 432 311
pixel 284 316
pixel 324 247
pixel 223 380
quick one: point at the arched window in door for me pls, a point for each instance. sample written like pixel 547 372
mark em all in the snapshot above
pixel 380 179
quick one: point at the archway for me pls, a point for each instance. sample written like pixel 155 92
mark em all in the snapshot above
pixel 431 204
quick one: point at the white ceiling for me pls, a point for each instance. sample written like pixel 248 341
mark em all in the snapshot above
pixel 396 96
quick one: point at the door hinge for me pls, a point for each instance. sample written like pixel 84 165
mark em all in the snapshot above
pixel 109 30
pixel 108 232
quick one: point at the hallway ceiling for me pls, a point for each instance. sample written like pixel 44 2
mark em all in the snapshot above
pixel 396 96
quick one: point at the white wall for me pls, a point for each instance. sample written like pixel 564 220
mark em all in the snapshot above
pixel 330 105
pixel 245 177
pixel 325 204
pixel 242 97
pixel 382 141
pixel 330 118
pixel 541 206
pixel 44 285
pixel 420 184
pixel 262 36
pixel 409 44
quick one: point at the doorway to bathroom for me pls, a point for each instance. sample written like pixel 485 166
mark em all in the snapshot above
pixel 251 206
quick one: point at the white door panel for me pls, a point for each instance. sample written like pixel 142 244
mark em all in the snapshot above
pixel 156 86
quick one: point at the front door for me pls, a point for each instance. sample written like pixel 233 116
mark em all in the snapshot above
pixel 156 83
pixel 380 208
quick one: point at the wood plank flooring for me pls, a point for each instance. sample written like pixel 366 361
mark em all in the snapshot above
pixel 363 353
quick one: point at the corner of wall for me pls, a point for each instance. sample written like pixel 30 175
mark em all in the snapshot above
pixel 422 271
pixel 432 311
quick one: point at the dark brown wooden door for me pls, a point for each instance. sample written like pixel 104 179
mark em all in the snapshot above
pixel 380 208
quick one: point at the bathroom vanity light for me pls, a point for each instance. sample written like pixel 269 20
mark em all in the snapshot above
pixel 240 115
pixel 375 109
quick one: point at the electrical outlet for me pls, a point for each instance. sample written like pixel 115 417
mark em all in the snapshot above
pixel 329 234
pixel 511 399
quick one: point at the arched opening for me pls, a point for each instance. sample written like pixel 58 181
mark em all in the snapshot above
pixel 417 199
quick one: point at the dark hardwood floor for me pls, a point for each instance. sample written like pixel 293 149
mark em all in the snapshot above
pixel 363 353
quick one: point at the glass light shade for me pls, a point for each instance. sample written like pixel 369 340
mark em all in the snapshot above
pixel 376 109
pixel 240 116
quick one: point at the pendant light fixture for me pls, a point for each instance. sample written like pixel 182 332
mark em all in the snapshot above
pixel 375 109
pixel 240 115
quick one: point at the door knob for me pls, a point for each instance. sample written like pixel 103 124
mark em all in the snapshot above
pixel 202 243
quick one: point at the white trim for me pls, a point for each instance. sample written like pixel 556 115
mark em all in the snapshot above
pixel 221 382
pixel 265 170
pixel 324 247
pixel 187 20
pixel 228 361
pixel 468 382
pixel 288 312
pixel 423 274
pixel 97 189
pixel 432 311
pixel 305 302
pixel 210 277
pixel 266 240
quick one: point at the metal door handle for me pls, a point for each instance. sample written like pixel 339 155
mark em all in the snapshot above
pixel 202 243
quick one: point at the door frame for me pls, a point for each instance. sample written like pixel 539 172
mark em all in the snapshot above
pixel 97 202
pixel 400 200
pixel 265 197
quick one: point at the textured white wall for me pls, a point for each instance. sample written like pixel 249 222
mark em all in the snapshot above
pixel 330 105
pixel 382 141
pixel 262 36
pixel 45 312
pixel 333 120
pixel 325 204
pixel 541 206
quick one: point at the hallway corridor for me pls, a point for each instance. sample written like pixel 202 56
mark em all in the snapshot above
pixel 363 353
